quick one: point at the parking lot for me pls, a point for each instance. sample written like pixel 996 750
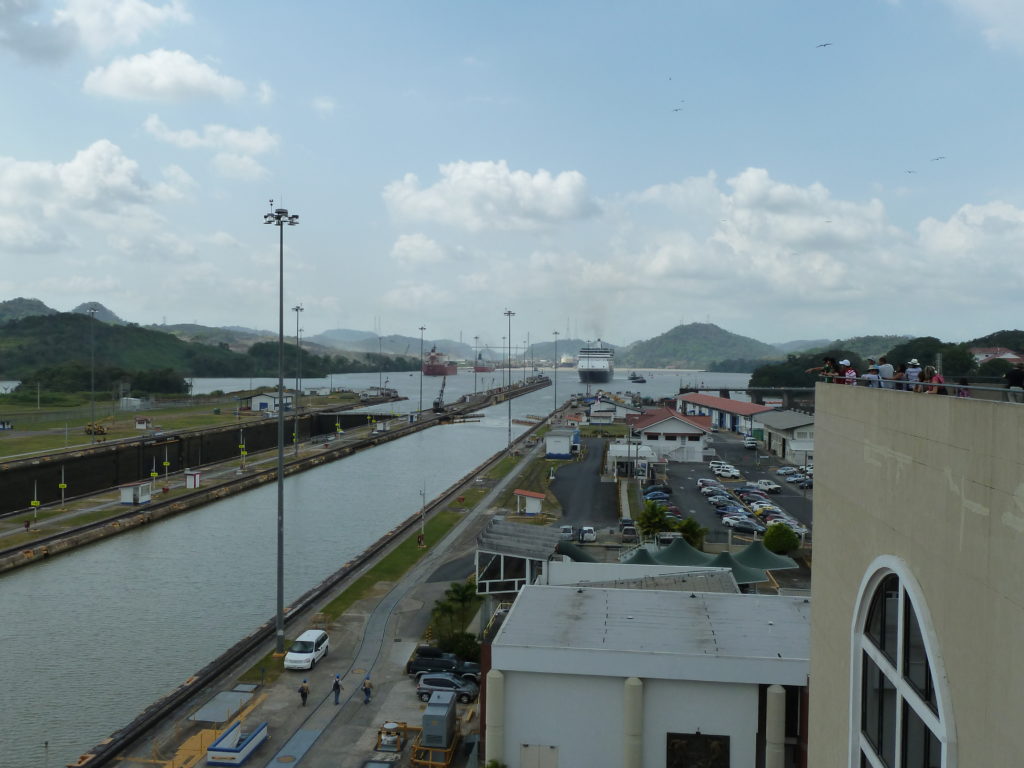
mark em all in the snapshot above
pixel 753 465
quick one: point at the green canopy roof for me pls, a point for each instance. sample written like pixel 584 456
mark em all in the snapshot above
pixel 682 552
pixel 743 574
pixel 756 555
pixel 577 554
pixel 641 557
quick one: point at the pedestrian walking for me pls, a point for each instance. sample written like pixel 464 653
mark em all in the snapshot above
pixel 304 691
pixel 367 689
pixel 336 687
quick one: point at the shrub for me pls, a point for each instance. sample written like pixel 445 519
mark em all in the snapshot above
pixel 780 539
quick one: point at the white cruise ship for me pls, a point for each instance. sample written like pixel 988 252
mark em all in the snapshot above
pixel 596 364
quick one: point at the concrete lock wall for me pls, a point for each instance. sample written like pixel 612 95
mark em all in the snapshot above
pixel 937 482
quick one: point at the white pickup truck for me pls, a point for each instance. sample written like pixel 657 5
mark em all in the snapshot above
pixel 768 485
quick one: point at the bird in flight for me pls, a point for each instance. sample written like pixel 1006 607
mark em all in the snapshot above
pixel 940 157
pixel 910 171
pixel 823 45
pixel 678 109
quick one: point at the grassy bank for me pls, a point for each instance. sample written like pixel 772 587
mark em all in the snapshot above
pixel 390 568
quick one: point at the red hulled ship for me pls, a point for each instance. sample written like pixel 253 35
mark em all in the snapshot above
pixel 437 364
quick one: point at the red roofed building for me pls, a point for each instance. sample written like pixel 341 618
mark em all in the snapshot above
pixel 725 413
pixel 671 435
pixel 984 354
pixel 527 502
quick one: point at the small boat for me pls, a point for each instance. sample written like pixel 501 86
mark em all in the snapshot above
pixel 638 379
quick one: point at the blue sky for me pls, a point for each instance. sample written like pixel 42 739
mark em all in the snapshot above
pixel 603 169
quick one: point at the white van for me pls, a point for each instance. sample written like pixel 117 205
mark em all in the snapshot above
pixel 308 648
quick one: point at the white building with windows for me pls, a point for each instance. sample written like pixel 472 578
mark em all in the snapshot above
pixel 787 434
pixel 919 529
pixel 670 435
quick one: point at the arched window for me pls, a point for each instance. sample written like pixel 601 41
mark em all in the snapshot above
pixel 900 707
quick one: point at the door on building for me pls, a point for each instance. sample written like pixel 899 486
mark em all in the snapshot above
pixel 538 756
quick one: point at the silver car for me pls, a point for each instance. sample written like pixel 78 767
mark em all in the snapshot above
pixel 465 690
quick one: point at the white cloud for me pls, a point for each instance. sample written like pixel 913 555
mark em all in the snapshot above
pixel 488 195
pixel 265 93
pixel 32 39
pixel 1002 21
pixel 417 249
pixel 103 24
pixel 176 184
pixel 241 167
pixel 254 142
pixel 161 75
pixel 324 105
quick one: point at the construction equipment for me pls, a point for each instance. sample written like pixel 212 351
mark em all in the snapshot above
pixel 439 400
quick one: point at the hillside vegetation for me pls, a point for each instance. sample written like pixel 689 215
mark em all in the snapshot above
pixel 696 345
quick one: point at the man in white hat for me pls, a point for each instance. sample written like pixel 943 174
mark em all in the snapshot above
pixel 849 372
pixel 913 375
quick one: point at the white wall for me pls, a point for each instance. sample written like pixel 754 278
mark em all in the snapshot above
pixel 583 716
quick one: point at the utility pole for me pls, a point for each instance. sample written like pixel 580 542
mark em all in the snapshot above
pixel 509 314
pixel 554 374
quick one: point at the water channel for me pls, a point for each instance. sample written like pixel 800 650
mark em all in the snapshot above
pixel 90 638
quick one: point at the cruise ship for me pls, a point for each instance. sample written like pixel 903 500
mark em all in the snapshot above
pixel 596 364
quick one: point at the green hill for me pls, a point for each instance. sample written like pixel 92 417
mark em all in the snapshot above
pixel 15 309
pixel 696 345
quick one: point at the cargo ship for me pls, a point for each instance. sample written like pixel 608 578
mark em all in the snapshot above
pixel 596 365
pixel 481 365
pixel 437 364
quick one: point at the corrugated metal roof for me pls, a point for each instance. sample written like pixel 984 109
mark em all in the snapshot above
pixel 725 404
pixel 502 537
pixel 785 419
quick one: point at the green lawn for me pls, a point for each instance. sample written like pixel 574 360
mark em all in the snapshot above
pixel 390 568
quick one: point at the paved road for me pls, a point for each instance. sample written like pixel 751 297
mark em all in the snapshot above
pixel 584 499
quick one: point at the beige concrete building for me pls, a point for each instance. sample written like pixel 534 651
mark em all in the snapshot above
pixel 918 584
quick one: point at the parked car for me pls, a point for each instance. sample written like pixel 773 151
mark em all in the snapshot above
pixel 721 501
pixel 587 533
pixel 446 662
pixel 743 524
pixel 658 487
pixel 796 478
pixel 624 522
pixel 712 490
pixel 729 471
pixel 566 533
pixel 308 648
pixel 629 534
pixel 808 483
pixel 768 485
pixel 750 443
pixel 656 496
pixel 785 471
pixel 705 481
pixel 465 690
pixel 730 509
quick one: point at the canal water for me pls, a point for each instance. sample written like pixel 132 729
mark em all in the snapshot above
pixel 91 638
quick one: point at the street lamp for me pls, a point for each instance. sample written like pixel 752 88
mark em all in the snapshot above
pixel 422 329
pixel 554 374
pixel 92 371
pixel 509 314
pixel 298 308
pixel 280 218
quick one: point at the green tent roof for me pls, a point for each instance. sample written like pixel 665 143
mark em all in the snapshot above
pixel 641 557
pixel 756 555
pixel 682 552
pixel 743 574
pixel 577 554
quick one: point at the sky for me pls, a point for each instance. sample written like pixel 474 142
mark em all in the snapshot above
pixel 785 169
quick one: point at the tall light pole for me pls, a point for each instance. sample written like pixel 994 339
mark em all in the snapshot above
pixel 509 314
pixel 297 309
pixel 92 371
pixel 554 374
pixel 280 218
pixel 422 329
pixel 476 356
pixel 380 365
pixel 504 368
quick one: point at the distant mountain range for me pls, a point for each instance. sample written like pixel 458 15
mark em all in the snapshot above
pixel 694 345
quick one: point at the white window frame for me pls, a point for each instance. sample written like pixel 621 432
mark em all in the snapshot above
pixel 940 721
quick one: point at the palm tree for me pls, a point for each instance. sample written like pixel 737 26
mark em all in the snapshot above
pixel 693 532
pixel 444 616
pixel 652 518
pixel 462 595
